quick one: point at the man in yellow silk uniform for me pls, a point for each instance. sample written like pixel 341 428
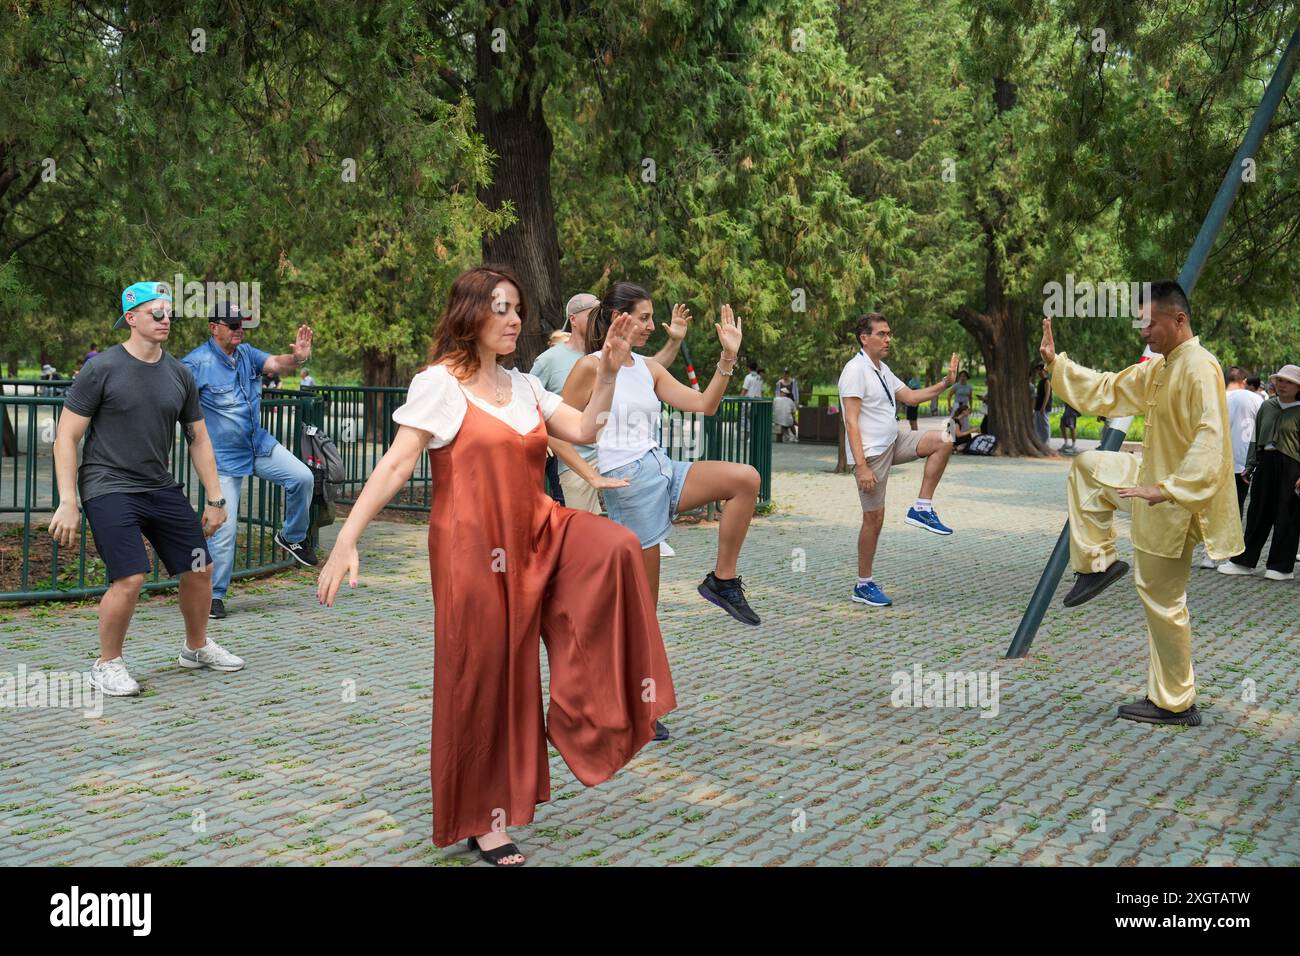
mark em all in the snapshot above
pixel 1180 492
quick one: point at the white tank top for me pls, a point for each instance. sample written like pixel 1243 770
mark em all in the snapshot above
pixel 632 428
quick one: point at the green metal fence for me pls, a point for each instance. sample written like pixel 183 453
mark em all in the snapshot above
pixel 29 495
pixel 360 420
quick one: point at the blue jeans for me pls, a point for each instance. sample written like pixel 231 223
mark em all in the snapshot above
pixel 281 468
pixel 1043 426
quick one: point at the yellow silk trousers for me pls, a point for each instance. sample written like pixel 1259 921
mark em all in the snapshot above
pixel 1093 484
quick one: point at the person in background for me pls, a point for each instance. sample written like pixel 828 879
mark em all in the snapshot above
pixel 1256 385
pixel 961 430
pixel 752 386
pixel 875 442
pixel 94 350
pixel 226 369
pixel 962 392
pixel 306 381
pixel 1243 405
pixel 558 337
pixel 1043 405
pixel 270 380
pixel 1070 431
pixel 787 386
pixel 913 411
pixel 1273 473
pixel 580 482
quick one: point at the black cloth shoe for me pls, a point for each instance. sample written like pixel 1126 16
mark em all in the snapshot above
pixel 1148 713
pixel 302 551
pixel 218 608
pixel 730 596
pixel 661 732
pixel 1088 586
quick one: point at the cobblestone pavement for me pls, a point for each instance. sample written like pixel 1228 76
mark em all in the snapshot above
pixel 786 748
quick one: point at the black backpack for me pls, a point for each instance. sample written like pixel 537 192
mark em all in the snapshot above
pixel 322 457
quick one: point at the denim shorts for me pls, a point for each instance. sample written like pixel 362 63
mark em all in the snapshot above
pixel 647 505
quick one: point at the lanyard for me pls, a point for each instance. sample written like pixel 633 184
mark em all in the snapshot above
pixel 872 366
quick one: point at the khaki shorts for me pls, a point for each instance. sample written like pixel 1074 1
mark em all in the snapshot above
pixel 903 450
pixel 578 494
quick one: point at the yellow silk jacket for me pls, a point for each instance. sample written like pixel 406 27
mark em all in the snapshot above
pixel 1186 450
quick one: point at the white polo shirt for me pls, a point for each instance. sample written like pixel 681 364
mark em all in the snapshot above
pixel 878 388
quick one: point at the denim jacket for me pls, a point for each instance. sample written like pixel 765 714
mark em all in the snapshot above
pixel 230 390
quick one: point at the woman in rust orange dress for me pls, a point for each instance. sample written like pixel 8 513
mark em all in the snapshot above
pixel 508 563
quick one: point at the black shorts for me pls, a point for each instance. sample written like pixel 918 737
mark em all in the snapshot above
pixel 1069 418
pixel 911 412
pixel 121 521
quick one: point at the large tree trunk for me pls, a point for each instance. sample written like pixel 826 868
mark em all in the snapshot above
pixel 1003 338
pixel 519 135
pixel 379 369
pixel 1000 329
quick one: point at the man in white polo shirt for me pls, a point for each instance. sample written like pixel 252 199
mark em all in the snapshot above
pixel 869 398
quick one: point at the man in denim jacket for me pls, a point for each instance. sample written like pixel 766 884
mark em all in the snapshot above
pixel 228 372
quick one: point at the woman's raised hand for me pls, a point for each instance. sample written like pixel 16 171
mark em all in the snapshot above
pixel 729 333
pixel 343 561
pixel 618 345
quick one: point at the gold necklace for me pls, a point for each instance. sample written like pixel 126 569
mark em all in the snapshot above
pixel 500 395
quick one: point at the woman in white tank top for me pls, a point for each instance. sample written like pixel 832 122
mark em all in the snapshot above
pixel 628 448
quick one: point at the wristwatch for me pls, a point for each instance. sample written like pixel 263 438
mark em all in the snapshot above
pixel 217 503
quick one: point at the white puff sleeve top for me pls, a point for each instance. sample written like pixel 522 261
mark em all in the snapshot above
pixel 435 403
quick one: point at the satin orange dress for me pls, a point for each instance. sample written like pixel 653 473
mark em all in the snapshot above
pixel 508 563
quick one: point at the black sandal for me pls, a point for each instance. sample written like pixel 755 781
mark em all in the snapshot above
pixel 496 856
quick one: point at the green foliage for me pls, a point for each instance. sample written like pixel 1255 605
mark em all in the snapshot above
pixel 799 149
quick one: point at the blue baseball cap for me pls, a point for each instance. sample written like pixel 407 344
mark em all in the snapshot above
pixel 138 294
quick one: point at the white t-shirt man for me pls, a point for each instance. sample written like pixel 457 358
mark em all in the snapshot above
pixel 752 387
pixel 877 387
pixel 1243 406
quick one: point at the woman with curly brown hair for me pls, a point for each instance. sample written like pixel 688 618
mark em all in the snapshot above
pixel 509 563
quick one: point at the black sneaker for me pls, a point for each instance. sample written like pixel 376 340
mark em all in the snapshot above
pixel 730 596
pixel 1088 586
pixel 661 732
pixel 218 608
pixel 1149 713
pixel 302 552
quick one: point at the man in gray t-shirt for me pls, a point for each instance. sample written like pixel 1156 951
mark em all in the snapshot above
pixel 133 407
pixel 127 404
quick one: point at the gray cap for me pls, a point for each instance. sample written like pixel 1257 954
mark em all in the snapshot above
pixel 581 303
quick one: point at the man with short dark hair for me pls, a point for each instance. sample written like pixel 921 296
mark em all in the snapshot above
pixel 127 403
pixel 226 370
pixel 1180 491
pixel 869 396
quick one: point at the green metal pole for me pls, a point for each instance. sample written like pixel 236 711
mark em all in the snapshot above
pixel 1113 438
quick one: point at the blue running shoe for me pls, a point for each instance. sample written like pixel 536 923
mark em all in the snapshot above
pixel 929 520
pixel 870 593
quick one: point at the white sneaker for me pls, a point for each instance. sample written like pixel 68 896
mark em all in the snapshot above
pixel 666 551
pixel 113 679
pixel 1227 567
pixel 1279 575
pixel 1209 563
pixel 211 655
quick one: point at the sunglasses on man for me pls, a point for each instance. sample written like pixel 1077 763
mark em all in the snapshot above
pixel 159 315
